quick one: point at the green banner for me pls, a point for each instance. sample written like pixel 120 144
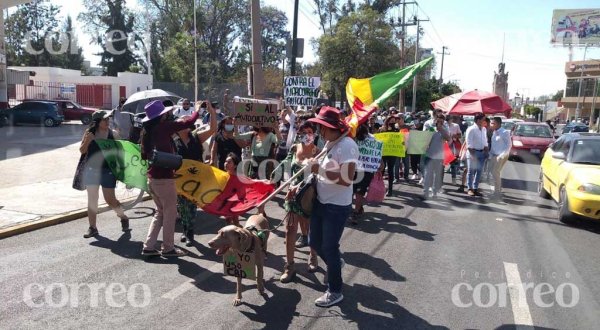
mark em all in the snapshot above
pixel 418 142
pixel 125 161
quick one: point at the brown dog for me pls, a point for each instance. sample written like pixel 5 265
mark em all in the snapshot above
pixel 245 240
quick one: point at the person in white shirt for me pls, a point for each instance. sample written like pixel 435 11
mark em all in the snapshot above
pixel 499 151
pixel 184 110
pixel 477 149
pixel 333 205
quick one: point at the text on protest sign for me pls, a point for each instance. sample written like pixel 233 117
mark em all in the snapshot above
pixel 393 143
pixel 253 112
pixel 369 157
pixel 239 264
pixel 301 90
pixel 199 182
pixel 419 142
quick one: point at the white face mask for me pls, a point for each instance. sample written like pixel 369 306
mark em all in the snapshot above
pixel 307 139
pixel 218 111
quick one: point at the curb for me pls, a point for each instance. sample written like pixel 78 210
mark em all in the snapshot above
pixel 55 220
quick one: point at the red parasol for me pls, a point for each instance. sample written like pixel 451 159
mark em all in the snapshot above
pixel 470 103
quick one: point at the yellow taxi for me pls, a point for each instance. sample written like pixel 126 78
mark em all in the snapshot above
pixel 570 174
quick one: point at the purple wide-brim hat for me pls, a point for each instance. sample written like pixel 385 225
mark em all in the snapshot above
pixel 155 109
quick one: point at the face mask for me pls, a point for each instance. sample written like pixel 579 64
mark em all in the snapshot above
pixel 218 111
pixel 397 125
pixel 229 128
pixel 307 139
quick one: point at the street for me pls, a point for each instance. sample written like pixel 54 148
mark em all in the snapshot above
pixel 455 262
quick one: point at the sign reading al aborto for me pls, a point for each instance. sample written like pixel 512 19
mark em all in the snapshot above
pixel 575 26
pixel 253 112
pixel 239 264
pixel 301 90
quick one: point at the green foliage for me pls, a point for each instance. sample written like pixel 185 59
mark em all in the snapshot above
pixel 531 110
pixel 111 25
pixel 361 45
pixel 558 95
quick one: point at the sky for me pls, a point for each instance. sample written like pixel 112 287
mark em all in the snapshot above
pixel 473 31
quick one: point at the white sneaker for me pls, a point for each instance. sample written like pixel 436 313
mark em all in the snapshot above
pixel 329 299
pixel 414 177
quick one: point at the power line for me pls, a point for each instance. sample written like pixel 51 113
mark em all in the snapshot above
pixel 432 25
pixel 302 10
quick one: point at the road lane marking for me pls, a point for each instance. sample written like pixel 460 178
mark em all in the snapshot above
pixel 518 298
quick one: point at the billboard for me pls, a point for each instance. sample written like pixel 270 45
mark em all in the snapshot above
pixel 575 26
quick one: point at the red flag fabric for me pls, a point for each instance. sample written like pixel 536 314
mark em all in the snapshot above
pixel 239 197
pixel 449 157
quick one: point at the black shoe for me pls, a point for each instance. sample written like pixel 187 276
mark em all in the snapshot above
pixel 183 237
pixel 477 193
pixel 125 224
pixel 461 189
pixel 389 194
pixel 189 235
pixel 302 241
pixel 91 232
pixel 152 252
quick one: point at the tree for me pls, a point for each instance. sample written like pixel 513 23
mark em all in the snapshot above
pixel 361 45
pixel 112 26
pixel 73 58
pixel 26 32
pixel 532 111
pixel 558 95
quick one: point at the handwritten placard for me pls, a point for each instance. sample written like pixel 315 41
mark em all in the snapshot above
pixel 393 143
pixel 369 154
pixel 239 264
pixel 301 90
pixel 253 112
pixel 419 142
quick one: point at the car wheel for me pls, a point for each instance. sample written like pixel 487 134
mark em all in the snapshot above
pixel 49 122
pixel 564 215
pixel 541 190
pixel 86 120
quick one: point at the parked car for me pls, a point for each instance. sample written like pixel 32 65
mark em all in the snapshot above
pixel 575 127
pixel 530 140
pixel 72 110
pixel 570 174
pixel 34 112
pixel 508 124
pixel 558 130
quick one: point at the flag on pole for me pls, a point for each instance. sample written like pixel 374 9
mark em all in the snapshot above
pixel 366 95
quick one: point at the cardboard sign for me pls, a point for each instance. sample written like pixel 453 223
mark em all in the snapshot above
pixel 239 264
pixel 301 90
pixel 253 112
pixel 393 143
pixel 419 142
pixel 369 158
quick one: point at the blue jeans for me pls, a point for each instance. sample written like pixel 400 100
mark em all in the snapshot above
pixel 326 227
pixel 475 161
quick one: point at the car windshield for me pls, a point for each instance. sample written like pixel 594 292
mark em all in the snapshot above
pixel 586 152
pixel 76 105
pixel 533 131
pixel 508 125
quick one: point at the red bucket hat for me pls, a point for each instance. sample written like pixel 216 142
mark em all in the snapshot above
pixel 330 117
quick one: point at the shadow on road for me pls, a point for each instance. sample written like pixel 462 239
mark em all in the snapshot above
pixel 278 311
pixel 122 247
pixel 520 185
pixel 378 266
pixel 373 223
pixel 376 299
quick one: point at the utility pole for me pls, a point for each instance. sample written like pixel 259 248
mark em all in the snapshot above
pixel 402 59
pixel 195 57
pixel 258 80
pixel 578 109
pixel 442 69
pixel 414 96
pixel 294 40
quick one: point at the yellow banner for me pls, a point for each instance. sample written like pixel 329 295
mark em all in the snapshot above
pixel 393 144
pixel 200 182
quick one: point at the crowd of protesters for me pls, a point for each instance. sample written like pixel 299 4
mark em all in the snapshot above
pixel 286 149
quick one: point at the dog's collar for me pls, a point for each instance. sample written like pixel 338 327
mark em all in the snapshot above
pixel 254 232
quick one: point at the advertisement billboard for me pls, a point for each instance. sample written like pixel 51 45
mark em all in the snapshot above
pixel 575 26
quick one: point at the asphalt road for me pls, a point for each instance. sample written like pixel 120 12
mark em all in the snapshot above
pixel 455 262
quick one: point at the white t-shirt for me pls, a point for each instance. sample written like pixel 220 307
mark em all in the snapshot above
pixel 345 151
pixel 181 112
pixel 453 129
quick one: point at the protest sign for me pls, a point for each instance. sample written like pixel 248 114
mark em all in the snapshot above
pixel 419 142
pixel 253 112
pixel 239 264
pixel 369 157
pixel 301 90
pixel 393 143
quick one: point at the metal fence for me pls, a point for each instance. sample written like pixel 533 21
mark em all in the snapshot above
pixel 90 95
